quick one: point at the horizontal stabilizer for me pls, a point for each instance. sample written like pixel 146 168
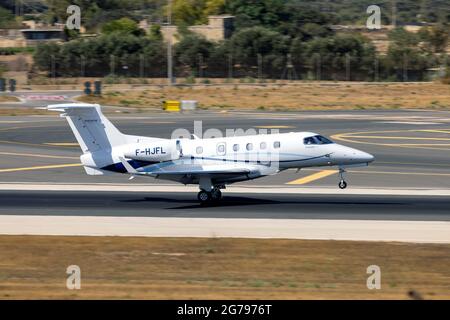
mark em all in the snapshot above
pixel 95 172
pixel 73 107
pixel 128 167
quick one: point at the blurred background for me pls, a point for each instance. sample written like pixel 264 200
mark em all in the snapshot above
pixel 237 41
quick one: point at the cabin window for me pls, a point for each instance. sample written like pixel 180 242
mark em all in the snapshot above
pixel 263 145
pixel 276 144
pixel 236 147
pixel 199 150
pixel 221 149
pixel 249 146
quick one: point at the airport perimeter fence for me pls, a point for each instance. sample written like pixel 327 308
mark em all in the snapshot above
pixel 258 69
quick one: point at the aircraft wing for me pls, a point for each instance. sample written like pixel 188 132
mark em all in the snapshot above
pixel 214 170
pixel 204 171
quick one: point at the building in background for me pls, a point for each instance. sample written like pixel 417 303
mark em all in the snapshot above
pixel 32 34
pixel 36 36
pixel 219 28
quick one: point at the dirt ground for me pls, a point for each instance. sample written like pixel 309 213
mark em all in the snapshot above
pixel 34 267
pixel 277 97
pixel 7 98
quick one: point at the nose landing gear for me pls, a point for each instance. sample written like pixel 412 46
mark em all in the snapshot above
pixel 342 183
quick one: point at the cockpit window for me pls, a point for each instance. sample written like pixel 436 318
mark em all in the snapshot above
pixel 323 140
pixel 316 140
pixel 309 140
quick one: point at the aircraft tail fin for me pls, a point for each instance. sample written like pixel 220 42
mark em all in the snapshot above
pixel 93 131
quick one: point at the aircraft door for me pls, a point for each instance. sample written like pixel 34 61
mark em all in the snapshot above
pixel 179 148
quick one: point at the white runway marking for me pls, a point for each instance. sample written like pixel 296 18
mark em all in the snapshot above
pixel 408 122
pixel 355 230
pixel 259 189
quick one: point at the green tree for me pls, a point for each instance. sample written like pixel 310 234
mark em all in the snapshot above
pixel 96 54
pixel 267 13
pixel 334 53
pixel 401 37
pixel 287 17
pixel 7 19
pixel 436 37
pixel 155 32
pixel 246 44
pixel 191 12
pixel 47 54
pixel 409 61
pixel 188 12
pixel 406 56
pixel 97 13
pixel 214 7
pixel 190 51
pixel 123 25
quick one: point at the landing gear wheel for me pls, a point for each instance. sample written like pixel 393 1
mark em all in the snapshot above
pixel 342 184
pixel 204 196
pixel 216 195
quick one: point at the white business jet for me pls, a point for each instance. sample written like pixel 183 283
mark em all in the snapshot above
pixel 210 163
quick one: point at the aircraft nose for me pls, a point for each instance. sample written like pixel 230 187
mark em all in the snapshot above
pixel 345 155
pixel 365 157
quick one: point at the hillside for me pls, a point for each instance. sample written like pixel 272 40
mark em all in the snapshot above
pixel 264 12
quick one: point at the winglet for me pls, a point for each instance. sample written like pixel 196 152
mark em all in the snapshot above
pixel 73 108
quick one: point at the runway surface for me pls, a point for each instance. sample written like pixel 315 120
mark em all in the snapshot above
pixel 234 205
pixel 412 150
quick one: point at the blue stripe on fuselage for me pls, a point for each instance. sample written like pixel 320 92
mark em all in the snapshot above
pixel 120 168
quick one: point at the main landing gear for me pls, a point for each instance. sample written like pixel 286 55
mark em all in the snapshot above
pixel 342 183
pixel 206 197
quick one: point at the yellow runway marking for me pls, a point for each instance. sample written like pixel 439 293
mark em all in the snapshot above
pixel 314 177
pixel 36 155
pixel 274 127
pixel 351 136
pixel 42 167
pixel 29 127
pixel 436 131
pixel 418 144
pixel 396 138
pixel 158 122
pixel 16 121
pixel 415 163
pixel 24 143
pixel 402 173
pixel 65 144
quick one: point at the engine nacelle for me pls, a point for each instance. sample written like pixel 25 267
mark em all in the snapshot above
pixel 153 151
